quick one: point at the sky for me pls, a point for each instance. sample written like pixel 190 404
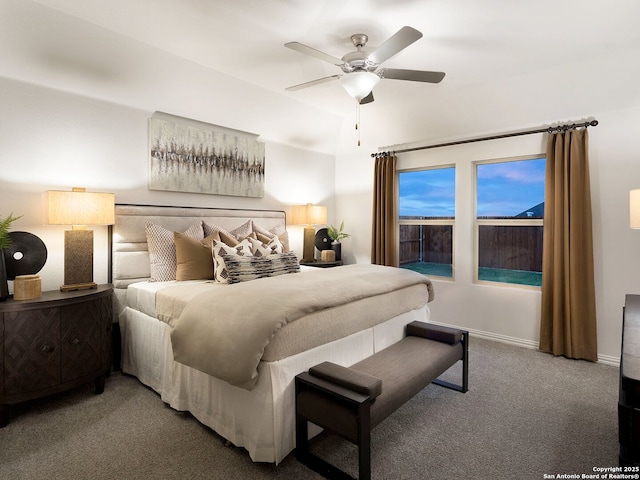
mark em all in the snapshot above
pixel 504 189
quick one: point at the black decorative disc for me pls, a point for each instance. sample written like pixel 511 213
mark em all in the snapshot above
pixel 323 242
pixel 26 255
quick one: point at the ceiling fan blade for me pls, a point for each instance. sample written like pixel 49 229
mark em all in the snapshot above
pixel 367 99
pixel 299 47
pixel 412 75
pixel 312 83
pixel 398 41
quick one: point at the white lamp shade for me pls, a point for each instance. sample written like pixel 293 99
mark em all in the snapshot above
pixel 79 207
pixel 359 84
pixel 308 214
pixel 634 208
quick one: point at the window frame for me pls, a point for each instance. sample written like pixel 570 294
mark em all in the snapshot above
pixel 437 221
pixel 478 222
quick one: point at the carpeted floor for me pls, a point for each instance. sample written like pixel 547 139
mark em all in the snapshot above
pixel 526 414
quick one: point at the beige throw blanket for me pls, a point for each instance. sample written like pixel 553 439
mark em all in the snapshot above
pixel 223 332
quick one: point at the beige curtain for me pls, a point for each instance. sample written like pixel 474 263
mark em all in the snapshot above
pixel 384 249
pixel 568 323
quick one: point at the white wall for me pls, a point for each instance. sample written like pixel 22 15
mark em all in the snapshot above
pixel 52 139
pixel 57 140
pixel 512 313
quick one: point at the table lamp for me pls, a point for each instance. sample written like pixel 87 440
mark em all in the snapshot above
pixel 79 208
pixel 634 209
pixel 309 215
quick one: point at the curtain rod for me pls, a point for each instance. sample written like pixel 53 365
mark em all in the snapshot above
pixel 563 128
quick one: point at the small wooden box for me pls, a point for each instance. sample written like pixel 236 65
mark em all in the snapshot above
pixel 328 256
pixel 27 287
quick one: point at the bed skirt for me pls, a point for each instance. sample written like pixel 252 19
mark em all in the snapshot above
pixel 261 420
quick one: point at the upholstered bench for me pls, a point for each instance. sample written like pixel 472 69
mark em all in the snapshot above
pixel 351 401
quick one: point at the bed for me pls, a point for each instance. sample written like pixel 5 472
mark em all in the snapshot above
pixel 162 318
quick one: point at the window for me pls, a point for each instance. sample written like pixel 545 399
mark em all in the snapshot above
pixel 509 215
pixel 426 218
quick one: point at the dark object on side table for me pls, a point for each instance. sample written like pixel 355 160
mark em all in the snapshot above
pixel 321 264
pixel 323 242
pixel 4 287
pixel 25 255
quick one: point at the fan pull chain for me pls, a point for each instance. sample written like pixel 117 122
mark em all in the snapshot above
pixel 358 120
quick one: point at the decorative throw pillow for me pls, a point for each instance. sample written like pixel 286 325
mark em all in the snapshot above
pixel 261 248
pixel 279 231
pixel 220 250
pixel 243 269
pixel 243 231
pixel 231 238
pixel 193 258
pixel 213 229
pixel 162 250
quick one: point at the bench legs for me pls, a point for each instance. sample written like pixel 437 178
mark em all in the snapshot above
pixel 324 468
pixel 464 388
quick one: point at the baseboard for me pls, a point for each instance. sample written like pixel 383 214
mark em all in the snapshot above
pixel 609 360
pixel 604 359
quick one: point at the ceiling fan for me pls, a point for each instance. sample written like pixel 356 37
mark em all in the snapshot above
pixel 360 68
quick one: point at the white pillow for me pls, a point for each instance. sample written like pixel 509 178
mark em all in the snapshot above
pixel 219 249
pixel 261 249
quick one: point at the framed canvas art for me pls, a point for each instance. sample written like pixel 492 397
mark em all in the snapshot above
pixel 190 156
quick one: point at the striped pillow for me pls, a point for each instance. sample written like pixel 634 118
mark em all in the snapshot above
pixel 243 269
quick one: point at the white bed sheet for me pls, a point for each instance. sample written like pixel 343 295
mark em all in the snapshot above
pixel 141 296
pixel 261 420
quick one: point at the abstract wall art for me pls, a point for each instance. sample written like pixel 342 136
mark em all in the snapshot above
pixel 190 156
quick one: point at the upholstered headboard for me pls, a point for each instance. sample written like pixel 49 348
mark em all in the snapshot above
pixel 129 260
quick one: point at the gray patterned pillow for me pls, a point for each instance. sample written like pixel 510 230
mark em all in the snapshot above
pixel 213 230
pixel 243 231
pixel 243 269
pixel 237 233
pixel 265 235
pixel 162 249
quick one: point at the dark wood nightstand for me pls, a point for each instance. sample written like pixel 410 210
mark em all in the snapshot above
pixel 52 343
pixel 321 264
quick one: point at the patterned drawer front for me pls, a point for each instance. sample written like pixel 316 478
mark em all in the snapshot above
pixel 86 338
pixel 31 350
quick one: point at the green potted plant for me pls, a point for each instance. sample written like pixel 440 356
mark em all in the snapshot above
pixel 5 241
pixel 5 225
pixel 337 234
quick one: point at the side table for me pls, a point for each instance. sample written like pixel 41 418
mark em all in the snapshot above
pixel 53 343
pixel 321 264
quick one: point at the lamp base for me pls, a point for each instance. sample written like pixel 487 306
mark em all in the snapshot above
pixel 78 260
pixel 78 286
pixel 309 244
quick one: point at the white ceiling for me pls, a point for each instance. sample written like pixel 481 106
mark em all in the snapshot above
pixel 507 63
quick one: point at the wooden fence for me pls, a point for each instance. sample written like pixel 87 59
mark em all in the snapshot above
pixel 510 247
pixel 426 243
pixel 507 247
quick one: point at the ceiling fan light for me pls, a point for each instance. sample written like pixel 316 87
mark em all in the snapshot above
pixel 359 84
